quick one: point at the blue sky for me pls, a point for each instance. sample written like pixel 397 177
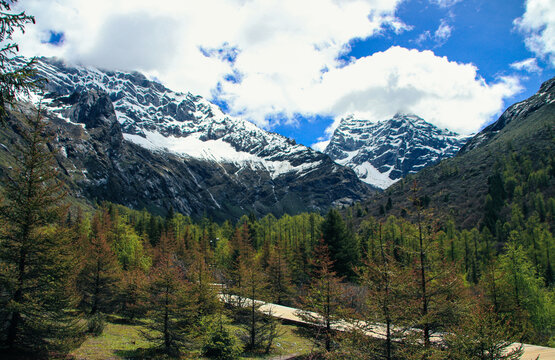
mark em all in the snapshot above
pixel 297 67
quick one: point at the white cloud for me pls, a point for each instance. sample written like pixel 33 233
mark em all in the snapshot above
pixel 283 51
pixel 443 32
pixel 166 40
pixel 530 65
pixel 426 35
pixel 439 37
pixel 538 25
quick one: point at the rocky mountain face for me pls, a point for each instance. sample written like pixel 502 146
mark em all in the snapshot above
pixel 126 139
pixel 382 153
pixel 520 110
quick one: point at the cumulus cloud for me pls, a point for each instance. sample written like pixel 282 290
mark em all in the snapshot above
pixel 123 42
pixel 268 57
pixel 445 93
pixel 530 65
pixel 538 25
pixel 176 34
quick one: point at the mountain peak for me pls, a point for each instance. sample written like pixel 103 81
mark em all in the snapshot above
pixel 383 152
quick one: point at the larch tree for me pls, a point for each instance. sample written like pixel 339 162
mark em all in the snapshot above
pixel 482 335
pixel 202 280
pixel 260 329
pixel 387 299
pixel 170 306
pixel 437 288
pixel 322 306
pixel 132 294
pixel 278 275
pixel 100 274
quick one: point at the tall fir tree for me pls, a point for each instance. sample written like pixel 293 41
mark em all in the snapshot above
pixel 260 329
pixel 278 276
pixel 342 244
pixel 387 300
pixel 482 335
pixel 437 288
pixel 36 251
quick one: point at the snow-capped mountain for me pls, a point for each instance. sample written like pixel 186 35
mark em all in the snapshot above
pixel 159 119
pixel 381 153
pixel 220 165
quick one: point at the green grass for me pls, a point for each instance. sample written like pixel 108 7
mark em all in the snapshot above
pixel 117 341
pixel 288 343
pixel 124 341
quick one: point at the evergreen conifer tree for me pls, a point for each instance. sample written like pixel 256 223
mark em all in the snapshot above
pixel 343 246
pixel 36 251
pixel 16 77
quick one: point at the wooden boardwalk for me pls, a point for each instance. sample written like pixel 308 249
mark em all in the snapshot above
pixel 289 314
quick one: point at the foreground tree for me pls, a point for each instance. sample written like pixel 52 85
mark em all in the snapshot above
pixel 437 289
pixel 260 328
pixel 219 340
pixel 322 305
pixel 171 311
pixel 36 254
pixel 278 275
pixel 343 246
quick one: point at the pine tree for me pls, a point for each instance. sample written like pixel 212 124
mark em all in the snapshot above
pixel 278 275
pixel 387 301
pixel 260 328
pixel 201 278
pixel 132 294
pixel 525 301
pixel 438 289
pixel 36 279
